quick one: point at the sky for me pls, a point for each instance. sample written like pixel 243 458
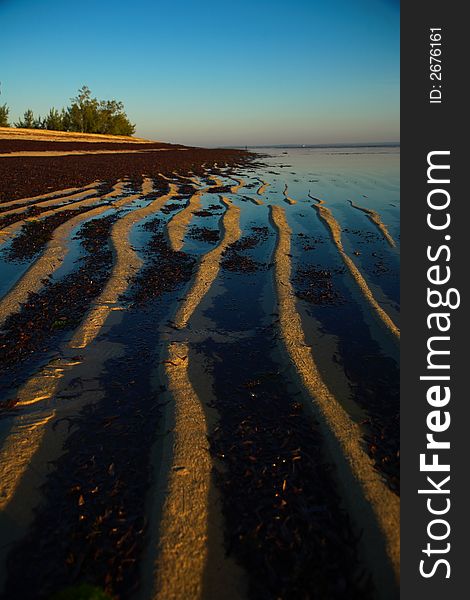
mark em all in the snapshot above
pixel 212 73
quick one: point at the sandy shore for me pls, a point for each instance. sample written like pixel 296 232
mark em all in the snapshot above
pixel 38 174
pixel 22 134
pixel 166 392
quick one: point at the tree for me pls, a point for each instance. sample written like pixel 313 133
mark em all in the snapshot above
pixel 65 119
pixel 54 120
pixel 84 112
pixel 29 121
pixel 88 115
pixel 4 110
pixel 85 115
pixel 113 119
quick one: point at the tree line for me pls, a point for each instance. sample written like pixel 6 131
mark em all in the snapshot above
pixel 85 115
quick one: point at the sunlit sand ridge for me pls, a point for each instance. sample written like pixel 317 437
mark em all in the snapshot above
pixel 236 188
pixel 263 187
pixel 287 198
pixel 376 219
pixel 183 530
pixel 185 515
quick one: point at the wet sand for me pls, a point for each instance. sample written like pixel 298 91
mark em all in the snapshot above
pixel 376 219
pixel 335 229
pixel 354 466
pixel 173 360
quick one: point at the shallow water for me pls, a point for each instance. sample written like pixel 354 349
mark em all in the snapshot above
pixel 10 271
pixel 235 343
pixel 369 177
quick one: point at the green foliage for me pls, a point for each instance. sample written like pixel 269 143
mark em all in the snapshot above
pixel 83 112
pixel 54 120
pixel 88 115
pixel 113 119
pixel 65 120
pixel 81 592
pixel 4 110
pixel 29 121
pixel 85 115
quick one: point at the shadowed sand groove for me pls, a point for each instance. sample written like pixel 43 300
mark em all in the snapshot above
pixel 127 263
pixel 177 225
pixel 287 198
pixel 49 261
pixel 56 194
pixel 264 184
pixel 183 539
pixel 33 440
pixel 335 230
pixel 210 265
pixel 375 218
pixel 374 507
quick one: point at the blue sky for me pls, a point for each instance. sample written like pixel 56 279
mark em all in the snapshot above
pixel 212 72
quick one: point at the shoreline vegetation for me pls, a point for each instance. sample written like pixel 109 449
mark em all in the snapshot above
pixel 85 115
pixel 185 410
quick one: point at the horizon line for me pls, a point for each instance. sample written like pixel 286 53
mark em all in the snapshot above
pixel 325 145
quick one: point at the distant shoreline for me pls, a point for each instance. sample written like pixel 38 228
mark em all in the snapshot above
pixel 295 146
